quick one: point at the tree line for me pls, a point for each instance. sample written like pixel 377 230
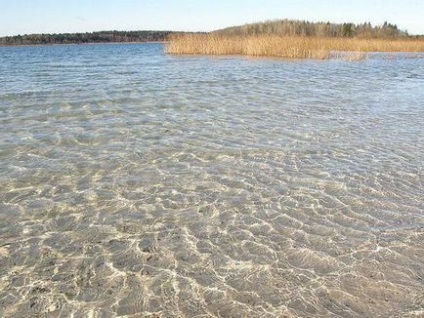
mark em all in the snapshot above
pixel 318 29
pixel 275 27
pixel 89 37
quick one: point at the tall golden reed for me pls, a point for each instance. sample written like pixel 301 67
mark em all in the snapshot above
pixel 296 47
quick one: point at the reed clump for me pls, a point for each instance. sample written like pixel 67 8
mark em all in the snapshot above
pixel 292 47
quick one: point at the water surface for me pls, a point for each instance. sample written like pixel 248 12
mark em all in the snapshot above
pixel 136 184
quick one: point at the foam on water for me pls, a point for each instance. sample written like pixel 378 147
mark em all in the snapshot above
pixel 138 184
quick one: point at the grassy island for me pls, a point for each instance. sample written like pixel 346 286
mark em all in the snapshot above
pixel 297 39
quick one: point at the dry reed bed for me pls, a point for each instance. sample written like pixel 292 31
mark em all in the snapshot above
pixel 286 46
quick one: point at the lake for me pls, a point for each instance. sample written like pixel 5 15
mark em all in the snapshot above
pixel 139 184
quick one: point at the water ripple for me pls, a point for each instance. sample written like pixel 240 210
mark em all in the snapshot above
pixel 134 183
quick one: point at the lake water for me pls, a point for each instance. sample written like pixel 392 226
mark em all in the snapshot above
pixel 137 184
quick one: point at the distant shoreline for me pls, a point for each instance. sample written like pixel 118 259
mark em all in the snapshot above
pixel 87 43
pixel 233 40
pixel 86 38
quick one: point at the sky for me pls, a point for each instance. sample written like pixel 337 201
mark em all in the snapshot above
pixel 61 16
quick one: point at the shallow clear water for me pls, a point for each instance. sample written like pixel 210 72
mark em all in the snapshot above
pixel 137 184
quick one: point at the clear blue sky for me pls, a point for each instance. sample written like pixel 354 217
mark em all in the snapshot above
pixel 55 16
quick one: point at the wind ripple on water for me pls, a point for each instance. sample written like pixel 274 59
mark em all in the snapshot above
pixel 210 187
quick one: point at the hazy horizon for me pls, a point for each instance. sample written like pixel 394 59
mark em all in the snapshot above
pixel 78 16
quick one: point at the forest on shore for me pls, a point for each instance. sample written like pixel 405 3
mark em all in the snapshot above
pixel 298 40
pixel 274 27
pixel 317 29
pixel 89 37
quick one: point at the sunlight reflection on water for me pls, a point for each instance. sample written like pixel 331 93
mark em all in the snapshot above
pixel 132 183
